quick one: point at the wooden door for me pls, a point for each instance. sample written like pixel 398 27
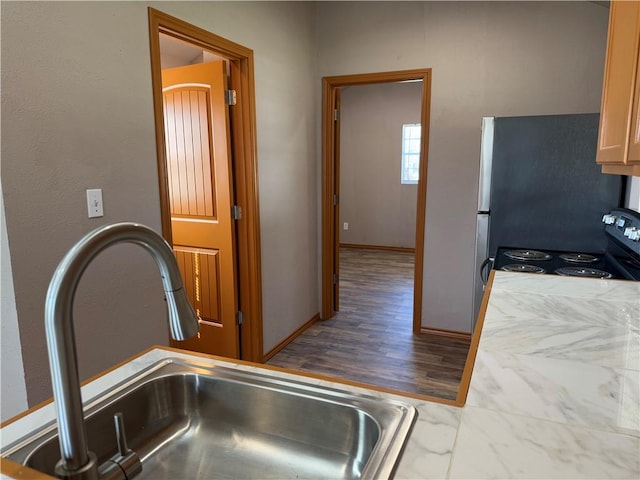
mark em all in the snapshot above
pixel 200 194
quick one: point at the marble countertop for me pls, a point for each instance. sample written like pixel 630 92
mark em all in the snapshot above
pixel 555 386
pixel 554 393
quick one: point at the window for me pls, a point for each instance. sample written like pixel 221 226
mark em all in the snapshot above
pixel 411 133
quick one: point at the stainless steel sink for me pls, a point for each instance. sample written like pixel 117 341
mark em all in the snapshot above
pixel 192 420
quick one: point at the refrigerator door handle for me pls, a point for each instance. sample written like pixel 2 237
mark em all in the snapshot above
pixel 485 278
pixel 486 159
pixel 481 253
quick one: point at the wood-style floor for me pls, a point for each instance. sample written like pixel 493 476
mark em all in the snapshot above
pixel 370 340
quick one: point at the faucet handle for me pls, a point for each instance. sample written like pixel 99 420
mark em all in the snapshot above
pixel 121 436
pixel 125 464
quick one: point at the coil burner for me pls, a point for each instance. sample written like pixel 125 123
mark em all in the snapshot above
pixel 523 268
pixel 527 255
pixel 583 272
pixel 579 258
pixel 617 259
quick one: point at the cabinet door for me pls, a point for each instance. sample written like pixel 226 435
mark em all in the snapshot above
pixel 618 88
pixel 633 156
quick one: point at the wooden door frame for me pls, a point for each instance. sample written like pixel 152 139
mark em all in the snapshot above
pixel 330 247
pixel 244 163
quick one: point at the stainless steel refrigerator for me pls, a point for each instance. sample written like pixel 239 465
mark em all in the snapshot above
pixel 540 187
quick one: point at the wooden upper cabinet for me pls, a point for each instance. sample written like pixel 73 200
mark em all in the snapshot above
pixel 619 136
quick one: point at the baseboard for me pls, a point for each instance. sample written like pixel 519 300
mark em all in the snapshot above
pixel 290 338
pixel 378 247
pixel 446 333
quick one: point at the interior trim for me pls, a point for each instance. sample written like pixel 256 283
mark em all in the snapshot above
pixel 244 159
pixel 331 87
pixel 465 381
pixel 15 470
pixel 446 333
pixel 378 247
pixel 271 353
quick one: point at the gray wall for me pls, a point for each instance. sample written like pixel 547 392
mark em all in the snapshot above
pixel 379 209
pixel 488 58
pixel 76 86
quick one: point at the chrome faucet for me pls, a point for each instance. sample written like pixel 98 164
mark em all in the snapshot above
pixel 77 461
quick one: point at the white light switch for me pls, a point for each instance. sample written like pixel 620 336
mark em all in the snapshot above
pixel 94 203
pixel 345 226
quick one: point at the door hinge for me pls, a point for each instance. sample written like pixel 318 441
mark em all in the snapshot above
pixel 335 114
pixel 335 199
pixel 239 317
pixel 230 97
pixel 236 212
pixel 336 278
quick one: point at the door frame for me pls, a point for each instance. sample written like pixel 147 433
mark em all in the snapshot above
pixel 330 173
pixel 244 171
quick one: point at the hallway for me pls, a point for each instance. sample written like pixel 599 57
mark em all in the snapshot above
pixel 370 340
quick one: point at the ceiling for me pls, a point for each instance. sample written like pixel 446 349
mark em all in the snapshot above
pixel 174 52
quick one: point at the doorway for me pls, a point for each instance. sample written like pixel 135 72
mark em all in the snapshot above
pixel 332 88
pixel 241 183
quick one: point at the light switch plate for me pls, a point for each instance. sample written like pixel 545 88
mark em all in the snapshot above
pixel 94 203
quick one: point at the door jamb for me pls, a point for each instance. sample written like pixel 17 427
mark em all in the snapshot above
pixel 244 163
pixel 330 86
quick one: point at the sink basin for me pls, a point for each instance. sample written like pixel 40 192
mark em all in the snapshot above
pixel 190 420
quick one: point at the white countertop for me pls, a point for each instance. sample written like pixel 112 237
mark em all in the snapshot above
pixel 554 394
pixel 555 390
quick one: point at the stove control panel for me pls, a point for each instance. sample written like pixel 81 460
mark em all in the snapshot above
pixel 623 225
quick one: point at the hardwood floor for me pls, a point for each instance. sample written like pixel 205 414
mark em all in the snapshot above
pixel 370 340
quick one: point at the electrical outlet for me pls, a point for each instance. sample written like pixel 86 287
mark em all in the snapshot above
pixel 345 226
pixel 94 203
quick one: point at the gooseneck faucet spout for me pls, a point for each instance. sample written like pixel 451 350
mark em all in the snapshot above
pixel 77 461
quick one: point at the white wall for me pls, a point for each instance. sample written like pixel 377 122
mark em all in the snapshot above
pixel 488 58
pixel 76 85
pixel 379 209
pixel 13 393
